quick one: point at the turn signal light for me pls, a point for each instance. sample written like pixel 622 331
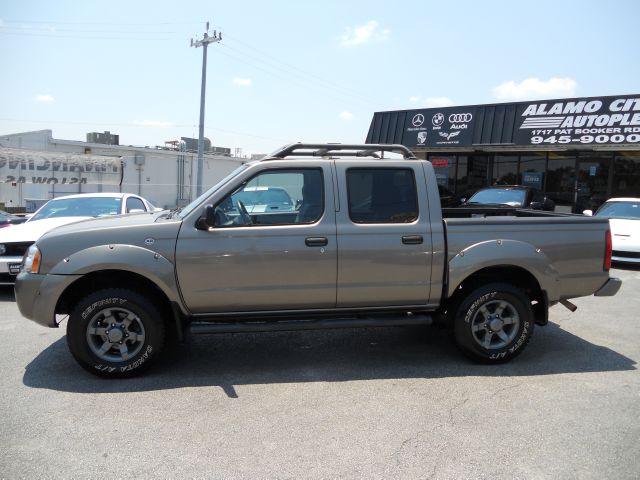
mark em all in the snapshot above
pixel 31 263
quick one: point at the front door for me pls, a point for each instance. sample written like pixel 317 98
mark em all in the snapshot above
pixel 273 246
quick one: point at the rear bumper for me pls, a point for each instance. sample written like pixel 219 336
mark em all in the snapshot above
pixel 38 295
pixel 610 288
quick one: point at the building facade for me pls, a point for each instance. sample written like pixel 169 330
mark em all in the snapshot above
pixel 580 151
pixel 34 167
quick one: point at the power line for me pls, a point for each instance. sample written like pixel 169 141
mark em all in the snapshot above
pixel 298 70
pixel 56 29
pixel 119 124
pixel 288 78
pixel 79 36
pixel 47 22
pixel 288 72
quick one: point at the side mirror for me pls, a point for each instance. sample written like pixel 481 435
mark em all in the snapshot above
pixel 208 218
pixel 536 205
pixel 135 210
pixel 588 213
pixel 548 204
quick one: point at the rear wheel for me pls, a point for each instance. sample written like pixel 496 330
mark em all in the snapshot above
pixel 115 333
pixel 493 323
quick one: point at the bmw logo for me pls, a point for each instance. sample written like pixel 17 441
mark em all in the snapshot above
pixel 437 120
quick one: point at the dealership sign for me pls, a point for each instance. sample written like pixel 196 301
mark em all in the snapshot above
pixel 442 127
pixel 588 121
pixel 29 166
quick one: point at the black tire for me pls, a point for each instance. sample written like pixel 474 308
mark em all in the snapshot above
pixel 493 323
pixel 115 333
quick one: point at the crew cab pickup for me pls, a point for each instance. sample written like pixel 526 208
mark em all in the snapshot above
pixel 366 245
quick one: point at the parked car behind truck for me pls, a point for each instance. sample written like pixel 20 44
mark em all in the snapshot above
pixel 15 241
pixel 366 246
pixel 519 196
pixel 624 219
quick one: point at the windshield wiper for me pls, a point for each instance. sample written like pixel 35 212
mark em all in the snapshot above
pixel 170 214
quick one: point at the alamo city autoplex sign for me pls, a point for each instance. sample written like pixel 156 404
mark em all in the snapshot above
pixel 441 127
pixel 582 121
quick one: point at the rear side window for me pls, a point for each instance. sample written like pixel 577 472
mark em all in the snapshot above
pixel 382 195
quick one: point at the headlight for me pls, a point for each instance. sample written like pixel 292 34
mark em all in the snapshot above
pixel 3 249
pixel 31 262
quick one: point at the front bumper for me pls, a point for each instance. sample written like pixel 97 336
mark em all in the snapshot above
pixel 610 288
pixel 9 268
pixel 38 295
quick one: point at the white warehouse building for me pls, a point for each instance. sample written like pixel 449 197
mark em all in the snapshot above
pixel 35 167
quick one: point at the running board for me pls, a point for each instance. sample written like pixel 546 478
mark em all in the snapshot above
pixel 202 328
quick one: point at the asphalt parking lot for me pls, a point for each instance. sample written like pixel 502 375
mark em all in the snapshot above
pixel 374 403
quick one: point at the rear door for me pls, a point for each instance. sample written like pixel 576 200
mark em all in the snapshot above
pixel 384 238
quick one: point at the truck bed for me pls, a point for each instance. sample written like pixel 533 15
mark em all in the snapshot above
pixel 547 240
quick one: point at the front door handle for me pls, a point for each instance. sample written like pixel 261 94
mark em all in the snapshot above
pixel 412 239
pixel 316 241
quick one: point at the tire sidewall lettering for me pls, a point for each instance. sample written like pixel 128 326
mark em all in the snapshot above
pixel 521 341
pixel 143 358
pixel 471 311
pixel 101 303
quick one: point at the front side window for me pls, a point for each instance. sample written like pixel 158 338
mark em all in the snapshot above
pixel 134 203
pixel 382 195
pixel 274 197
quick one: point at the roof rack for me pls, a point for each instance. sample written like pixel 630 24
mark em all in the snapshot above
pixel 339 149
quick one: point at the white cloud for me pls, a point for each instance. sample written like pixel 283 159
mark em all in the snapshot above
pixel 437 102
pixel 534 88
pixel 346 116
pixel 432 102
pixel 45 98
pixel 361 34
pixel 153 123
pixel 242 82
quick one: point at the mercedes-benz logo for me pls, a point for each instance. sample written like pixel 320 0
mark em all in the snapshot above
pixel 417 120
pixel 437 120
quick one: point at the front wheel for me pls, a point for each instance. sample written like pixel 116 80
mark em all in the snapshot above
pixel 115 333
pixel 493 323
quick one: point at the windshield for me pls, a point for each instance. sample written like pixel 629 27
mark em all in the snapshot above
pixel 627 210
pixel 79 207
pixel 189 208
pixel 514 198
pixel 264 196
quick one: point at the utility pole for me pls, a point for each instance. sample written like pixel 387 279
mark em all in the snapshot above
pixel 206 40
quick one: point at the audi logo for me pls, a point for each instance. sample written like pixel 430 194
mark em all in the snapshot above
pixel 417 120
pixel 460 117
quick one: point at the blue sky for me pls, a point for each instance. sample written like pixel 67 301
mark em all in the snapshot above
pixel 296 71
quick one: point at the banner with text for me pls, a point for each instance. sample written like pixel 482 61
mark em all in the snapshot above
pixel 31 166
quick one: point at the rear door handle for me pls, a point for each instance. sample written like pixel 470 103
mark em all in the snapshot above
pixel 316 241
pixel 412 239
